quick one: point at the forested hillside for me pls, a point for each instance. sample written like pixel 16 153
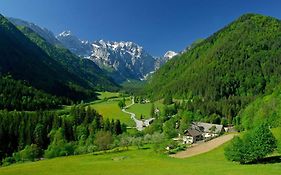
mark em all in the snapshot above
pixel 263 109
pixel 24 60
pixel 17 95
pixel 226 71
pixel 83 68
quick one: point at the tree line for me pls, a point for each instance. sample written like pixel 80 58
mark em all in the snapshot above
pixel 52 135
pixel 17 95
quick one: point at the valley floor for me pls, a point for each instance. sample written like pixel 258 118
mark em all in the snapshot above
pixel 140 162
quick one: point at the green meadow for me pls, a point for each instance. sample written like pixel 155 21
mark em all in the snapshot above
pixel 144 109
pixel 141 162
pixel 110 109
pixel 106 95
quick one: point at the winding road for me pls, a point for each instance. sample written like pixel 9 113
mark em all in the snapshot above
pixel 140 125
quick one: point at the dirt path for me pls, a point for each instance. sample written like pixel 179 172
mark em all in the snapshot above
pixel 204 147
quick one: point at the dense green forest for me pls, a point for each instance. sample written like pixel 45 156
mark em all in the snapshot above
pixel 53 134
pixel 226 71
pixel 24 60
pixel 263 109
pixel 17 95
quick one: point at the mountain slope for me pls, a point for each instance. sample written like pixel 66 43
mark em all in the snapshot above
pixel 242 60
pixel 43 32
pixel 263 109
pixel 122 60
pixel 74 44
pixel 17 95
pixel 24 60
pixel 126 60
pixel 162 60
pixel 83 68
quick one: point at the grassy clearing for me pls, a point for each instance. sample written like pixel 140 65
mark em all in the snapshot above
pixel 144 109
pixel 107 95
pixel 140 162
pixel 110 109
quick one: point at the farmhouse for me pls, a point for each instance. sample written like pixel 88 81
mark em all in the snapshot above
pixel 199 131
pixel 192 135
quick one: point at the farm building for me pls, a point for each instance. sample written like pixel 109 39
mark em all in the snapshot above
pixel 192 135
pixel 199 131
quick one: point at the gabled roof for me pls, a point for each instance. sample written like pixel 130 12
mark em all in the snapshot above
pixel 193 132
pixel 206 127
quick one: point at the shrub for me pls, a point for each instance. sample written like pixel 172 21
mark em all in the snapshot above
pixel 103 140
pixel 58 150
pixel 8 161
pixel 234 151
pixel 29 153
pixel 254 146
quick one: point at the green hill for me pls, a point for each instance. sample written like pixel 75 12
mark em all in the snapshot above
pixel 227 70
pixel 263 109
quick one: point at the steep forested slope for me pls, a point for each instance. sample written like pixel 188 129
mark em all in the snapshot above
pixel 263 109
pixel 83 68
pixel 227 70
pixel 24 60
pixel 17 95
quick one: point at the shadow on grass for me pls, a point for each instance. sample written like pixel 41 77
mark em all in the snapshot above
pixel 267 160
pixel 144 148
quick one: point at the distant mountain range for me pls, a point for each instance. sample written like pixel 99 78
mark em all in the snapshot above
pixel 122 60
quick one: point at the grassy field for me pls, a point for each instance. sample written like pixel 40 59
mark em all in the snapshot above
pixel 144 109
pixel 140 162
pixel 106 95
pixel 110 109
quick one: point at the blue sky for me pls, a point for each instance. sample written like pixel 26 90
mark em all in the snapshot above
pixel 157 25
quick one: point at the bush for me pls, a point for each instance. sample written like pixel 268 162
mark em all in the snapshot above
pixel 29 153
pixel 254 146
pixel 58 150
pixel 234 150
pixel 122 103
pixel 103 140
pixel 8 161
pixel 174 147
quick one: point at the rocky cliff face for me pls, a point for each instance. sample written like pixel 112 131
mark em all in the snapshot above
pixel 127 59
pixel 75 45
pixel 122 60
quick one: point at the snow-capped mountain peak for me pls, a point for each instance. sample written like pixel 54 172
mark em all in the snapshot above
pixel 74 44
pixel 124 57
pixel 65 33
pixel 170 54
pixel 124 60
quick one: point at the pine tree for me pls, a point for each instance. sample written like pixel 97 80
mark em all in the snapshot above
pixel 117 127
